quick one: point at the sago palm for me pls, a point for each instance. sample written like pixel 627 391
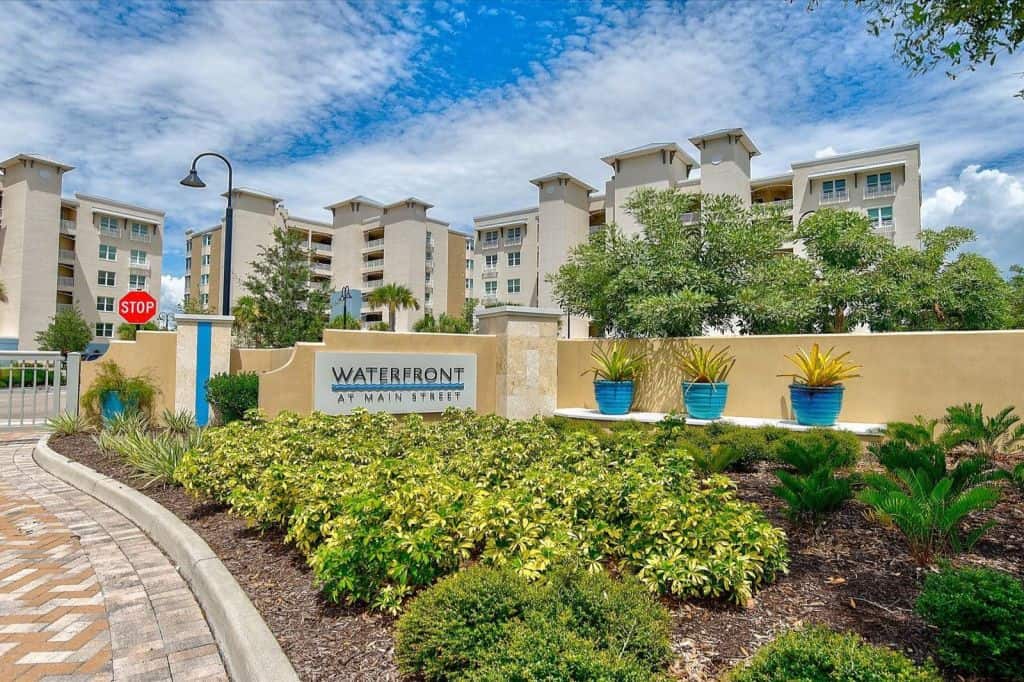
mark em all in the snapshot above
pixel 966 425
pixel 394 297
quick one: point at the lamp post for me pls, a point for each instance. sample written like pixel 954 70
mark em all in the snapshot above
pixel 193 180
pixel 346 294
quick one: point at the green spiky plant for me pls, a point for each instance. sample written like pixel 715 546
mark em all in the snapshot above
pixel 813 488
pixel 818 369
pixel 180 422
pixel 1017 475
pixel 67 424
pixel 967 425
pixel 709 365
pixel 716 458
pixel 616 363
pixel 138 393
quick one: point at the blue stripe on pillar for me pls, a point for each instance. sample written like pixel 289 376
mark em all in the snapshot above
pixel 204 344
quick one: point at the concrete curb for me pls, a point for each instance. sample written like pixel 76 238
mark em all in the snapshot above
pixel 249 648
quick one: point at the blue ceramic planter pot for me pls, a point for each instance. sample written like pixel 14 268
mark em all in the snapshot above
pixel 613 397
pixel 112 406
pixel 705 401
pixel 816 406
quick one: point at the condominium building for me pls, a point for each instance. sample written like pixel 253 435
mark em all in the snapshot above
pixel 515 250
pixel 57 252
pixel 365 245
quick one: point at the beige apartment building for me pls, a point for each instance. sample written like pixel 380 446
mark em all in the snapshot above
pixel 515 250
pixel 57 252
pixel 365 245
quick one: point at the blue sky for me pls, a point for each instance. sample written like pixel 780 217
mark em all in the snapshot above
pixel 461 103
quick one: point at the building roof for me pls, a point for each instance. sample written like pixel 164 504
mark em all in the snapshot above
pixel 738 133
pixel 359 198
pixel 33 158
pixel 254 193
pixel 646 149
pixel 909 146
pixel 409 200
pixel 562 175
pixel 847 170
pixel 505 214
pixel 115 203
pixel 769 180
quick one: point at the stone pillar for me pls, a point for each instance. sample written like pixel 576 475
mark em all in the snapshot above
pixel 203 349
pixel 527 367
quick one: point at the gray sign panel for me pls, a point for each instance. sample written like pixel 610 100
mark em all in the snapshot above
pixel 400 383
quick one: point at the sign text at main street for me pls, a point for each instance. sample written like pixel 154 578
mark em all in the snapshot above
pixel 399 383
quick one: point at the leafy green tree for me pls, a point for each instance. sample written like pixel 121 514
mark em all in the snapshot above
pixel 68 332
pixel 963 34
pixel 443 324
pixel 1016 285
pixel 344 322
pixel 246 313
pixel 126 331
pixel 290 308
pixel 394 297
pixel 672 279
pixel 192 306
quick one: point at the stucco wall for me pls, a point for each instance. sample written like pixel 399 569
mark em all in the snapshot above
pixel 291 387
pixel 258 360
pixel 903 374
pixel 152 354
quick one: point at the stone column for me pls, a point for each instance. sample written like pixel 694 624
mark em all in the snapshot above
pixel 203 349
pixel 527 367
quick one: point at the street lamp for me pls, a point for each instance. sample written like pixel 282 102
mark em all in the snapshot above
pixel 346 294
pixel 193 180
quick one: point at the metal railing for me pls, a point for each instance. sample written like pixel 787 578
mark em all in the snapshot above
pixel 886 228
pixel 68 227
pixel 37 385
pixel 110 231
pixel 879 191
pixel 513 241
pixel 783 204
pixel 146 238
pixel 136 265
pixel 64 307
pixel 65 282
pixel 66 256
pixel 488 244
pixel 372 265
pixel 489 273
pixel 374 244
pixel 370 286
pixel 837 196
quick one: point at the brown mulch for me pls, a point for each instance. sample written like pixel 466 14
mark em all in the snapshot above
pixel 850 574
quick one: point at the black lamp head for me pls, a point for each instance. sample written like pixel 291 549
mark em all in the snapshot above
pixel 192 179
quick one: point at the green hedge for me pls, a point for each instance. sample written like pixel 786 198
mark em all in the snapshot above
pixel 383 505
pixel 490 624
pixel 232 395
pixel 816 654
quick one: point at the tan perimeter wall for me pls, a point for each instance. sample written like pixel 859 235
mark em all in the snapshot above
pixel 259 360
pixel 903 375
pixel 152 354
pixel 291 387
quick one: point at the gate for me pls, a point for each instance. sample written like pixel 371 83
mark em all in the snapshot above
pixel 37 385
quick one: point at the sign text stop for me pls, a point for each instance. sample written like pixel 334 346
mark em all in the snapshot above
pixel 137 307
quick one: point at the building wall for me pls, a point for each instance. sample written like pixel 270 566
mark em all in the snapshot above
pixel 657 169
pixel 527 272
pixel 152 354
pixel 903 374
pixel 456 273
pixel 725 168
pixel 564 223
pixel 254 220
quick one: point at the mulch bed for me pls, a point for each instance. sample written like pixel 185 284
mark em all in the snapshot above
pixel 850 574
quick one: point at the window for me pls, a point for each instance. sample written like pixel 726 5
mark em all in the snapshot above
pixel 514 259
pixel 490 238
pixel 206 259
pixel 878 184
pixel 188 282
pixel 207 239
pixel 490 288
pixel 513 286
pixel 513 235
pixel 490 261
pixel 188 262
pixel 105 329
pixel 185 298
pixel 188 246
pixel 136 282
pixel 204 300
pixel 469 263
pixel 470 243
pixel 108 252
pixel 110 225
pixel 140 232
pixel 880 217
pixel 139 257
pixel 106 278
pixel 833 190
pixel 469 283
pixel 105 304
pixel 204 280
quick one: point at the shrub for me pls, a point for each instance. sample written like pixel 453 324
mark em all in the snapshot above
pixel 812 489
pixel 382 505
pixel 1018 475
pixel 67 424
pixel 181 422
pixel 155 457
pixel 380 326
pixel 126 332
pixel 489 624
pixel 231 395
pixel 977 612
pixel 967 426
pixel 814 653
pixel 137 393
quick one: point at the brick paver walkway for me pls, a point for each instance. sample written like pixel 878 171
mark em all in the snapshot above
pixel 84 594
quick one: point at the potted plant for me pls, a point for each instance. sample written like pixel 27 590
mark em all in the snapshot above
pixel 705 371
pixel 817 389
pixel 113 393
pixel 616 369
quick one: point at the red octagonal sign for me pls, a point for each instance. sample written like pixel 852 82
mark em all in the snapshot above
pixel 137 307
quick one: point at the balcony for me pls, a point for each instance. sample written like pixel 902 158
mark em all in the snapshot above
pixel 373 245
pixel 321 269
pixel 68 227
pixel 66 256
pixel 489 273
pixel 886 228
pixel 489 244
pixel 838 196
pixel 65 307
pixel 780 204
pixel 137 265
pixel 110 231
pixel 489 299
pixel 372 284
pixel 322 249
pixel 374 265
pixel 144 237
pixel 879 191
pixel 514 241
pixel 66 283
pixel 691 218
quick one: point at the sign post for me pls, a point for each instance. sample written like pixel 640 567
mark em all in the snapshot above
pixel 137 307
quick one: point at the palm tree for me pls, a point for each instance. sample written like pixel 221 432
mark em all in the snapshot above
pixel 246 313
pixel 3 293
pixel 395 297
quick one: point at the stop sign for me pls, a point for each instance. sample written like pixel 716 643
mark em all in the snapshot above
pixel 137 307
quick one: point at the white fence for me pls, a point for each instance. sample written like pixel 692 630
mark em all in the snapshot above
pixel 37 385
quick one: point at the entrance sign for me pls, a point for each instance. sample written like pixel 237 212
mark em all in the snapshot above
pixel 137 307
pixel 399 383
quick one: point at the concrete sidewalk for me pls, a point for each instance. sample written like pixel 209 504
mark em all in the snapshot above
pixel 84 594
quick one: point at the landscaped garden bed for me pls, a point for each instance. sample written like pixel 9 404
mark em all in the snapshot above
pixel 385 507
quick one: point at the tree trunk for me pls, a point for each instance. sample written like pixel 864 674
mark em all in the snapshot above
pixel 392 311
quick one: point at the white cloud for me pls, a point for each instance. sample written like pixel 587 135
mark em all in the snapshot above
pixel 172 290
pixel 988 200
pixel 826 152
